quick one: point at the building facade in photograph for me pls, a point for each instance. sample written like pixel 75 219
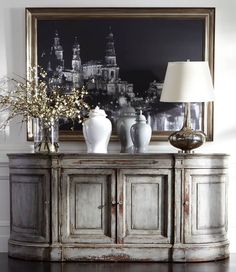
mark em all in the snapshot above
pixel 105 74
pixel 107 89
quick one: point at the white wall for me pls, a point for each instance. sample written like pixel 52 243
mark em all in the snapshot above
pixel 12 60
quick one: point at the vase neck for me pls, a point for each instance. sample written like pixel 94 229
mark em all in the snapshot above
pixel 187 115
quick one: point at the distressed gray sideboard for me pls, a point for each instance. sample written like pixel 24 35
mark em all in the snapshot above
pixel 118 207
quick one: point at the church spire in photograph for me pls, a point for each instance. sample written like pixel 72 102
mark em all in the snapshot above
pixel 56 54
pixel 76 60
pixel 110 57
pixel 57 48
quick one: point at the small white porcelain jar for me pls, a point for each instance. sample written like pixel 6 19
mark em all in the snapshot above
pixel 141 133
pixel 97 131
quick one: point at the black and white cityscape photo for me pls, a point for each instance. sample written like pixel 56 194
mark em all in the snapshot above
pixel 126 59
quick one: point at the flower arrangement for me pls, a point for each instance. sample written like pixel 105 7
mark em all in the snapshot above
pixel 37 98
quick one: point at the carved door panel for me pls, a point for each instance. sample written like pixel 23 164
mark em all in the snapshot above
pixel 30 204
pixel 144 206
pixel 205 205
pixel 88 215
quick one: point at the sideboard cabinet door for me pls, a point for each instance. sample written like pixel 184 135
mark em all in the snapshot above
pixel 205 205
pixel 88 215
pixel 144 210
pixel 30 204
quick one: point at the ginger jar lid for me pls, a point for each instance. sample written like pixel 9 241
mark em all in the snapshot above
pixel 128 111
pixel 141 118
pixel 97 112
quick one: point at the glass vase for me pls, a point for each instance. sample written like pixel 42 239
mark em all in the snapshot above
pixel 46 137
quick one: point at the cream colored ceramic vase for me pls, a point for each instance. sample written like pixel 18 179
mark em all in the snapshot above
pixel 124 123
pixel 97 131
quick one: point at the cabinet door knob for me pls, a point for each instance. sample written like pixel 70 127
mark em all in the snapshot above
pixel 113 203
pixel 116 203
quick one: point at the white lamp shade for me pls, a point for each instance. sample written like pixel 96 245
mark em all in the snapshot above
pixel 188 81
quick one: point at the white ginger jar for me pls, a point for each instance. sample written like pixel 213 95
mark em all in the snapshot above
pixel 97 131
pixel 141 134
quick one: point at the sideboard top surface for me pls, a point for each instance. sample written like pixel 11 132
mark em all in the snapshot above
pixel 116 160
pixel 118 155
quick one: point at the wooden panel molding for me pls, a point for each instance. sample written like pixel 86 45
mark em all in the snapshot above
pixel 119 207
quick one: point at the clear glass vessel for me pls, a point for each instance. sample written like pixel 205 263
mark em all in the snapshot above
pixel 46 137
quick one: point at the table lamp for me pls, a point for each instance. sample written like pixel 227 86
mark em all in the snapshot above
pixel 187 82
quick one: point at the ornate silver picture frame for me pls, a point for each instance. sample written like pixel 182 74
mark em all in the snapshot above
pixel 126 51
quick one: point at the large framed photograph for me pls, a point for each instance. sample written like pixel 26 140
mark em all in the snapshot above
pixel 121 54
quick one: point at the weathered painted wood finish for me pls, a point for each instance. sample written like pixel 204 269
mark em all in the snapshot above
pixel 118 207
pixel 30 204
pixel 88 215
pixel 145 213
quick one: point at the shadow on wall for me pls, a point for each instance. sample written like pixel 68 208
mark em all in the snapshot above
pixel 14 20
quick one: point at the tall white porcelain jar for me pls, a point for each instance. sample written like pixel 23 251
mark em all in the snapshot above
pixel 141 133
pixel 97 131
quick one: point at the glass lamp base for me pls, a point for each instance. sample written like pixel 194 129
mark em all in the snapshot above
pixel 187 139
